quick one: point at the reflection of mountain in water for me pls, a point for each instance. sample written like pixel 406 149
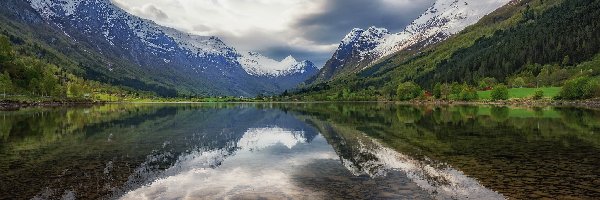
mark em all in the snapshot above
pixel 256 139
pixel 364 156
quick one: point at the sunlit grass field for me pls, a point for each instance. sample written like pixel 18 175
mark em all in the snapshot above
pixel 549 92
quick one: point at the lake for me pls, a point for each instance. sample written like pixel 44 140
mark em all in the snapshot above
pixel 299 151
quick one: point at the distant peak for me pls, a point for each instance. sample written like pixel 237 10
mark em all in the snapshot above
pixel 376 31
pixel 358 34
pixel 253 53
pixel 258 65
pixel 357 30
pixel 289 59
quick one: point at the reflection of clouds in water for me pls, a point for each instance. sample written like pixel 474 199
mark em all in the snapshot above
pixel 213 184
pixel 262 166
pixel 439 180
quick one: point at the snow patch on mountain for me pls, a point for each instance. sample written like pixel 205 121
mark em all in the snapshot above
pixel 444 18
pixel 147 31
pixel 364 40
pixel 258 65
pixel 67 7
pixel 200 44
pixel 43 7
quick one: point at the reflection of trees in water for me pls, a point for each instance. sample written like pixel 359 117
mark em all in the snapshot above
pixel 500 113
pixel 83 150
pixel 48 125
pixel 581 119
pixel 408 115
pixel 469 112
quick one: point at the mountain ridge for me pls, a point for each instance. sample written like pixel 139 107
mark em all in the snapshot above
pixel 203 65
pixel 258 65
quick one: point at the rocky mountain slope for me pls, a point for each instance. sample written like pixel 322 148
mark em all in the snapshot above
pixel 144 53
pixel 361 48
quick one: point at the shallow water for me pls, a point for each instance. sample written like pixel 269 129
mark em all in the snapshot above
pixel 299 151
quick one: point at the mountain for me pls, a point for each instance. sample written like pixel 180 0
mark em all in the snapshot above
pixel 140 54
pixel 258 65
pixel 284 74
pixel 361 48
pixel 352 53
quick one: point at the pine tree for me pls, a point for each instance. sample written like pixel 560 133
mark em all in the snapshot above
pixel 437 91
pixel 5 83
pixel 566 61
pixel 34 86
pixel 6 53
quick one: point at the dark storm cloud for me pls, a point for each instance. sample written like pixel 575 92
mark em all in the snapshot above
pixel 340 16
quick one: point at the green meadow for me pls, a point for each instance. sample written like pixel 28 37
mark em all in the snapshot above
pixel 549 92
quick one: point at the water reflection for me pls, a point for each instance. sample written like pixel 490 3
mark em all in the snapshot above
pixel 362 155
pixel 522 153
pixel 260 138
pixel 261 166
pixel 309 151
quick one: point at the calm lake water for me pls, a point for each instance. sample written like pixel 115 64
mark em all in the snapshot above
pixel 299 151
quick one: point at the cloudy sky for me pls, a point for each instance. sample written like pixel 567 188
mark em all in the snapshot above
pixel 306 29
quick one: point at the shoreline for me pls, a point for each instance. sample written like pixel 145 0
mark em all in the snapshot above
pixel 7 105
pixel 593 103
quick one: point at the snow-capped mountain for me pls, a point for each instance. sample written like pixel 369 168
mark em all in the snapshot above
pixel 444 18
pixel 284 74
pixel 362 41
pixel 354 51
pixel 116 25
pixel 199 64
pixel 256 64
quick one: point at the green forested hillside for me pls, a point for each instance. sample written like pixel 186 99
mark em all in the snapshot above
pixel 529 43
pixel 31 36
pixel 29 71
pixel 564 35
